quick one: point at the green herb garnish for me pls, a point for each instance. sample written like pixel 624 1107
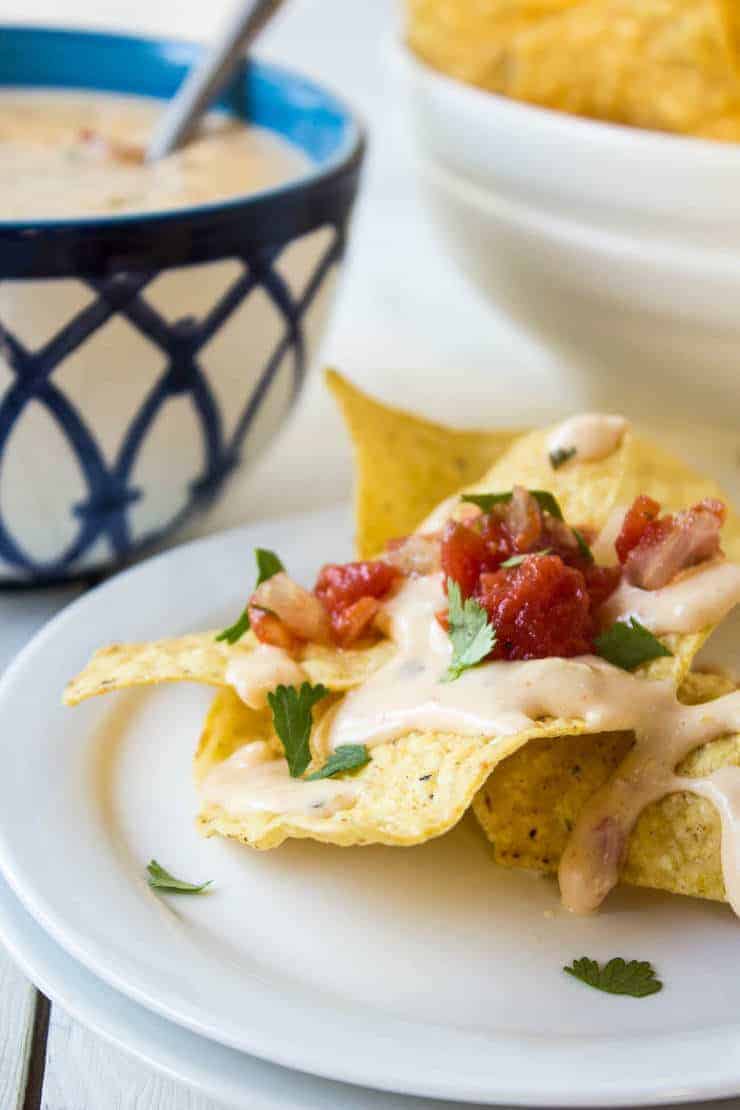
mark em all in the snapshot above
pixel 347 757
pixel 543 497
pixel 583 547
pixel 159 879
pixel 627 645
pixel 472 634
pixel 517 560
pixel 291 715
pixel 636 978
pixel 561 455
pixel 268 564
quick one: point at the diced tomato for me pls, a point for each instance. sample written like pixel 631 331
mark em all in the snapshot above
pixel 601 582
pixel 643 512
pixel 538 609
pixel 342 588
pixel 350 623
pixel 269 629
pixel 464 553
pixel 715 507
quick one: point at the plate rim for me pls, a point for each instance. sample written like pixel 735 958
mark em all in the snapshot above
pixel 709 1076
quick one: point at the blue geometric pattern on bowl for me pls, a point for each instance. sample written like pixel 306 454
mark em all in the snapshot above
pixel 117 258
pixel 110 493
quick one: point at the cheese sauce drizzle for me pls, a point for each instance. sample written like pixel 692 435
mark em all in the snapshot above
pixel 592 435
pixel 252 780
pixel 501 699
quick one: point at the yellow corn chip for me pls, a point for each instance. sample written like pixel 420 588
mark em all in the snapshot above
pixel 404 465
pixel 201 658
pixel 663 64
pixel 530 804
pixel 467 38
pixel 586 491
pixel 413 789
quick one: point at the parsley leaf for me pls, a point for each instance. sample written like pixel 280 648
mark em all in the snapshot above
pixel 347 757
pixel 636 978
pixel 268 564
pixel 471 632
pixel 561 455
pixel 543 497
pixel 159 879
pixel 583 547
pixel 517 560
pixel 628 645
pixel 291 716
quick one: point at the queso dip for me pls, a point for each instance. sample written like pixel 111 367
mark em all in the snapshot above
pixel 66 155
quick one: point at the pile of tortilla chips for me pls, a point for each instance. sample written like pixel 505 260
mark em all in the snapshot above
pixel 671 65
pixel 527 789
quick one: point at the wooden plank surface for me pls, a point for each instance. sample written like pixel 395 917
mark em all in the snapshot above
pixel 16 1025
pixel 84 1072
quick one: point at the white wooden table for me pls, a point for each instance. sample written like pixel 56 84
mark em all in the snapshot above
pixel 406 326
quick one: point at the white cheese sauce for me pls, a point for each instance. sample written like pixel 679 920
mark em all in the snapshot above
pixel 81 154
pixel 700 597
pixel 500 699
pixel 252 780
pixel 593 435
pixel 254 674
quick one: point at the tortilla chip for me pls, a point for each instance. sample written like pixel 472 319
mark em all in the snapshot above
pixel 586 491
pixel 528 808
pixel 662 64
pixel 201 658
pixel 405 465
pixel 413 789
pixel 467 38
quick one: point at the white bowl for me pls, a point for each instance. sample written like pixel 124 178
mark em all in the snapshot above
pixel 619 248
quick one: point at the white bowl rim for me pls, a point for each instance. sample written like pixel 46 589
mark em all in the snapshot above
pixel 658 252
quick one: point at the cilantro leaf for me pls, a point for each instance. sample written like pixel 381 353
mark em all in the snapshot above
pixel 636 978
pixel 268 564
pixel 543 497
pixel 292 718
pixel 517 560
pixel 159 879
pixel 486 501
pixel 583 547
pixel 347 757
pixel 627 645
pixel 561 455
pixel 547 502
pixel 471 632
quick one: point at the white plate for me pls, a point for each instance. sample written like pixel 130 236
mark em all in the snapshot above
pixel 426 970
pixel 232 1077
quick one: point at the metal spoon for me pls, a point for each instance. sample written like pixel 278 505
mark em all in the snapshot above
pixel 205 80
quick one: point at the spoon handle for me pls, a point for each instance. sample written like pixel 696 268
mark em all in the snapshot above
pixel 205 80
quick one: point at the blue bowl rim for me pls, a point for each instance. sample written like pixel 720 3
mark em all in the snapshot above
pixel 347 157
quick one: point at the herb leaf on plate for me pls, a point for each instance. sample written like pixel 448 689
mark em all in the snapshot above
pixel 636 978
pixel 292 717
pixel 472 634
pixel 628 644
pixel 160 879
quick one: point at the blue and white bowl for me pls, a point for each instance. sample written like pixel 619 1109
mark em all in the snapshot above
pixel 143 358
